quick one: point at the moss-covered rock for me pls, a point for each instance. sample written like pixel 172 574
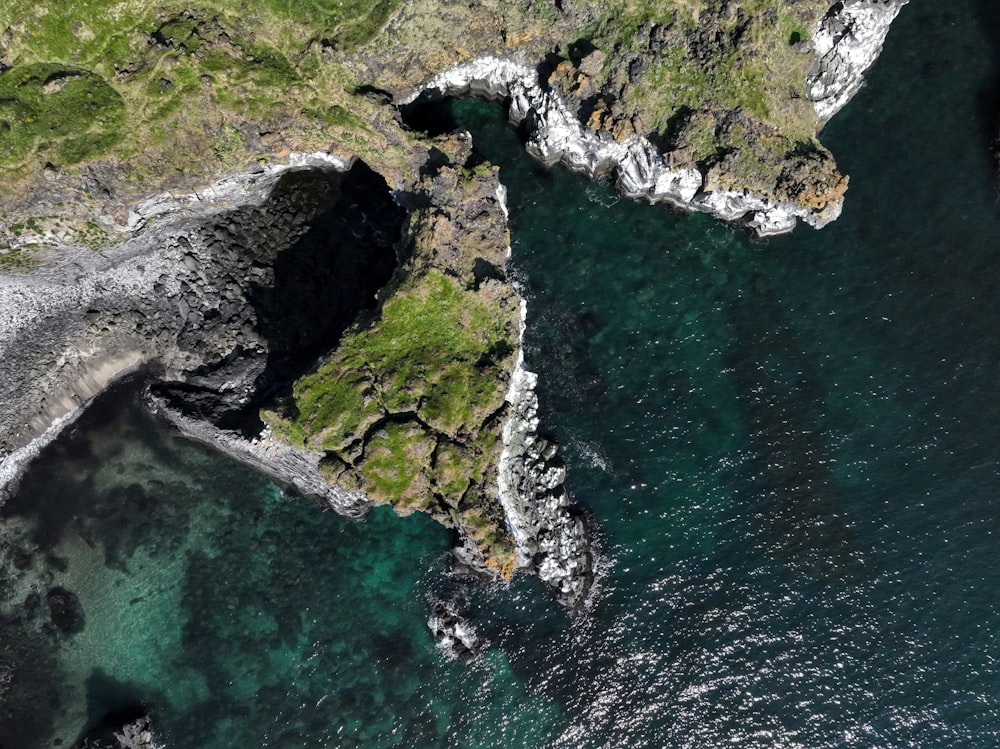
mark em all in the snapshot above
pixel 409 407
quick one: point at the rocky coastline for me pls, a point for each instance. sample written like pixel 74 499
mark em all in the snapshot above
pixel 847 42
pixel 176 295
pixel 188 288
pixel 174 301
pixel 550 532
pixel 172 295
pixel 557 136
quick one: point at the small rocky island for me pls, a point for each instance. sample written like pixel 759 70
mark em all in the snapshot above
pixel 234 206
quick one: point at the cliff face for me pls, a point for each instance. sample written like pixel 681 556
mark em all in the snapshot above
pixel 175 298
pixel 408 408
pixel 419 400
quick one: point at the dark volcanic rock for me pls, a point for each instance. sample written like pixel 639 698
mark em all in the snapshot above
pixel 300 302
pixel 221 301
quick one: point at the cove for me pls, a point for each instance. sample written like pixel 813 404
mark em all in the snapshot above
pixel 224 606
pixel 789 447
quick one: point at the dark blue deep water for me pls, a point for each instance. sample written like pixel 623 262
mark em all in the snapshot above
pixel 791 449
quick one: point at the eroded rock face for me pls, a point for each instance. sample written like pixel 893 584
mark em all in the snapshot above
pixel 551 534
pixel 847 41
pixel 311 290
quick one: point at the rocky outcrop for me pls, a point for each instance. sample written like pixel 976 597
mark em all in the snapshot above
pixel 453 631
pixel 556 135
pixel 138 734
pixel 127 730
pixel 847 42
pixel 551 535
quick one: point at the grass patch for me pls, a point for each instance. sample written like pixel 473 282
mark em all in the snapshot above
pixel 396 462
pixel 15 258
pixel 437 351
pixel 403 406
pixel 68 114
pixel 742 56
pixel 172 76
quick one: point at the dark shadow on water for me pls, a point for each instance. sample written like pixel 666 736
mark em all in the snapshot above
pixel 793 492
pixel 30 685
pixel 112 704
pixel 439 117
pixel 431 117
pixel 989 98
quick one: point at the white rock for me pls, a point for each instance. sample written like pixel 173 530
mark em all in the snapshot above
pixel 549 539
pixel 847 41
pixel 557 136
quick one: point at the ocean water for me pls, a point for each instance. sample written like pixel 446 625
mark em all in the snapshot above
pixel 790 447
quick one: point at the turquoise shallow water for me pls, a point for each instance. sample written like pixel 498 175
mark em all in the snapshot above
pixel 789 448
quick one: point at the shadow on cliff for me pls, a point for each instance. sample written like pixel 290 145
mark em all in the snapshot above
pixel 328 277
pixel 320 284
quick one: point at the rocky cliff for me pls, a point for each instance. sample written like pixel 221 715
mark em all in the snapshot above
pixel 722 97
pixel 712 105
pixel 226 302
pixel 173 298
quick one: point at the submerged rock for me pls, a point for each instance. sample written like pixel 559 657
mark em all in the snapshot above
pixel 65 611
pixel 6 679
